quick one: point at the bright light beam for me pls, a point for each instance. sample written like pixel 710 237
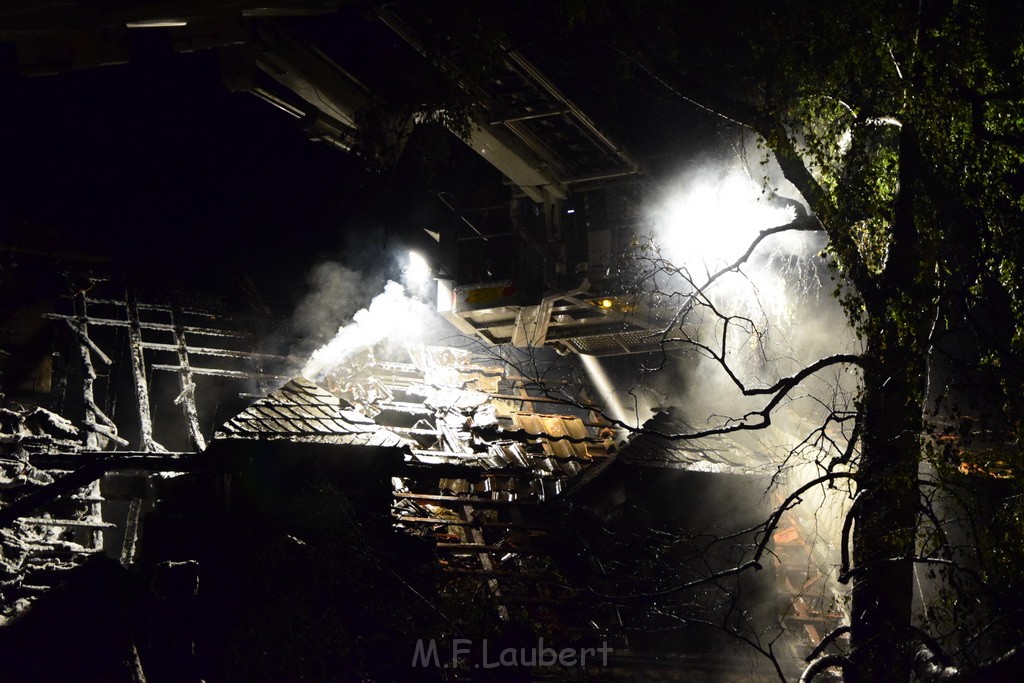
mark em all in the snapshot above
pixel 418 270
pixel 712 222
pixel 610 402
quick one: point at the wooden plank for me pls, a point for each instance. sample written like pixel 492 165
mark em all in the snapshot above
pixel 141 386
pixel 114 459
pixel 499 573
pixel 479 502
pixel 483 524
pixel 166 308
pixel 162 327
pixel 28 504
pixel 88 372
pixel 216 372
pixel 481 548
pixel 187 397
pixel 68 523
pixel 89 473
pixel 131 533
pixel 466 512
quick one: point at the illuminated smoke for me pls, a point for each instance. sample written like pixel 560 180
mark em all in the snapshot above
pixel 334 294
pixel 707 220
pixel 784 314
pixel 391 317
pixel 709 224
pixel 705 223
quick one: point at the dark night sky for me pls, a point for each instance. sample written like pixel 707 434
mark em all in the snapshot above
pixel 157 164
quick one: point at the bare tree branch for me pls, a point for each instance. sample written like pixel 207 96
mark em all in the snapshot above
pixel 826 641
pixel 849 574
pixel 819 665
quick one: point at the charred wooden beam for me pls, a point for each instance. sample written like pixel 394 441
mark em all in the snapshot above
pixel 67 523
pixel 96 465
pixel 217 372
pixel 116 460
pixel 498 573
pixel 218 353
pixel 162 327
pixel 148 443
pixel 482 548
pixel 90 440
pixel 466 513
pixel 84 339
pixel 187 398
pixel 479 502
pixel 131 532
pixel 70 483
pixel 476 523
pixel 95 419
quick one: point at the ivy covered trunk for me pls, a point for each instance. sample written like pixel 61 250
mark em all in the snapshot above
pixel 885 513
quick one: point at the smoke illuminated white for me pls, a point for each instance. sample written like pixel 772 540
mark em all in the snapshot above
pixel 713 220
pixel 392 315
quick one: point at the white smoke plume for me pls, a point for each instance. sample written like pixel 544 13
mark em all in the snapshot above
pixel 336 292
pixel 703 222
pixel 392 317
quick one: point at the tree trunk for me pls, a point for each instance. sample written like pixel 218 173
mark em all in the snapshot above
pixel 885 517
pixel 885 526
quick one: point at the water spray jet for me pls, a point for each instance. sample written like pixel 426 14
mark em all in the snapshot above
pixel 603 386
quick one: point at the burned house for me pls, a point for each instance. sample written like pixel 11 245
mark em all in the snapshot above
pixel 443 459
pixel 180 503
pixel 326 526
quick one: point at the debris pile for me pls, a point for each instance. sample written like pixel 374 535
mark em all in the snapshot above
pixel 35 550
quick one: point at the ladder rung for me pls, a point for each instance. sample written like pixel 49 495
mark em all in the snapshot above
pixel 480 548
pixel 45 521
